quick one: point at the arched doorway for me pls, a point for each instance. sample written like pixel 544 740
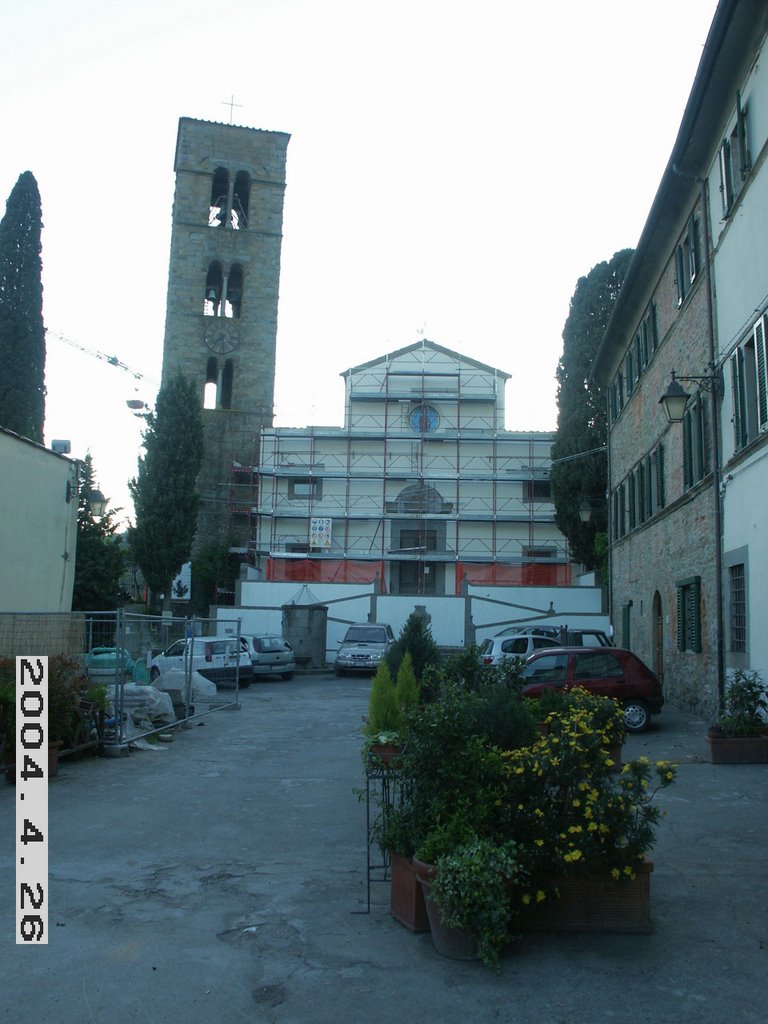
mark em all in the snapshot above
pixel 417 538
pixel 658 637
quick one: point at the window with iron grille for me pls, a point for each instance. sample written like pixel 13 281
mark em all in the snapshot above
pixel 738 608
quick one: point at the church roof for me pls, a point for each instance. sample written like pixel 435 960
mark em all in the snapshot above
pixel 425 345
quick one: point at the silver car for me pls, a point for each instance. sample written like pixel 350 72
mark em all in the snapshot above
pixel 363 647
pixel 271 656
pixel 496 649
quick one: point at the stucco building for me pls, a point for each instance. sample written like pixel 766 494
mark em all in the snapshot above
pixel 38 540
pixel 422 487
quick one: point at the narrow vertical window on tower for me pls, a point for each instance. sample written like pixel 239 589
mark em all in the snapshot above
pixel 234 295
pixel 227 381
pixel 211 392
pixel 219 207
pixel 214 287
pixel 240 200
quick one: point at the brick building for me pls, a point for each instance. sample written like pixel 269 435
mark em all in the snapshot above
pixel 693 302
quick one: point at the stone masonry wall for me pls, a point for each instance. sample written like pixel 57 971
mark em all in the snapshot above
pixel 679 541
pixel 229 434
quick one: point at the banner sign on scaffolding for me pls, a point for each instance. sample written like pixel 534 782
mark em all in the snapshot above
pixel 320 528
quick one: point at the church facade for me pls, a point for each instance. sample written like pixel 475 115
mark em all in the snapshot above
pixel 422 488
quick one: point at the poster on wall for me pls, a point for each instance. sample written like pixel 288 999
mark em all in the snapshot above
pixel 320 528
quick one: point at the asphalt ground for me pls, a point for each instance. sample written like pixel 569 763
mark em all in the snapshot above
pixel 223 878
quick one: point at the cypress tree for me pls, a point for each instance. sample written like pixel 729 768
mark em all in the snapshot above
pixel 22 334
pixel 164 493
pixel 581 416
pixel 99 558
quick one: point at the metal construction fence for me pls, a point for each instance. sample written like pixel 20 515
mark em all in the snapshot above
pixel 115 649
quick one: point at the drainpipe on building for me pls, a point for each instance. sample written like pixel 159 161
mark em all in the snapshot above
pixel 715 371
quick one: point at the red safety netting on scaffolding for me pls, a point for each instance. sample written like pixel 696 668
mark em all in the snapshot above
pixel 533 574
pixel 323 570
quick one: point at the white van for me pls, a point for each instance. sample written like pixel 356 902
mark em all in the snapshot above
pixel 218 658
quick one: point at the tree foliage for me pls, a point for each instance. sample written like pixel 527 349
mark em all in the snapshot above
pixel 164 493
pixel 415 638
pixel 213 566
pixel 22 334
pixel 581 419
pixel 99 559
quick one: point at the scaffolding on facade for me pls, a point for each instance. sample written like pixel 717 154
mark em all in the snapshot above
pixel 395 494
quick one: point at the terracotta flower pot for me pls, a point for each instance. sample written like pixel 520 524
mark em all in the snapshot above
pixel 449 942
pixel 738 749
pixel 594 902
pixel 386 754
pixel 407 898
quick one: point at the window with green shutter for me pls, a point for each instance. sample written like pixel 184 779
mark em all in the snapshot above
pixel 749 385
pixel 661 500
pixel 626 624
pixel 761 368
pixel 689 614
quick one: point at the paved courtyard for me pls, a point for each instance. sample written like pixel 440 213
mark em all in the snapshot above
pixel 222 878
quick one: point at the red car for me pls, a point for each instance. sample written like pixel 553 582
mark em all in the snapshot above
pixel 610 671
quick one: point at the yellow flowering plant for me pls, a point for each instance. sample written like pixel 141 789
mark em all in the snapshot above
pixel 567 808
pixel 502 813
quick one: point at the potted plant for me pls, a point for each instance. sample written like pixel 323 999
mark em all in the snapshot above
pixel 451 783
pixel 383 725
pixel 604 715
pixel 469 899
pixel 739 736
pixel 479 800
pixel 66 683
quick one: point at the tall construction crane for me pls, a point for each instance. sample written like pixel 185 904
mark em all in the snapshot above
pixel 112 360
pixel 134 403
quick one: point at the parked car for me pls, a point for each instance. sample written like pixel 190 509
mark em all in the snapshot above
pixel 271 656
pixel 217 658
pixel 363 647
pixel 565 636
pixel 610 671
pixel 551 631
pixel 496 649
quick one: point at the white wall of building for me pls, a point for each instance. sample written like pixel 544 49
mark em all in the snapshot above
pixel 490 608
pixel 38 527
pixel 741 300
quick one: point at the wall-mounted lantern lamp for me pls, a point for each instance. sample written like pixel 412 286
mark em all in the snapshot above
pixel 675 398
pixel 98 503
pixel 585 511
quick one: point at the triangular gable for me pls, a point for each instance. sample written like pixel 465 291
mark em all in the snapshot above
pixel 419 355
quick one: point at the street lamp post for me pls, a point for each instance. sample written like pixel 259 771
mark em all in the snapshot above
pixel 674 401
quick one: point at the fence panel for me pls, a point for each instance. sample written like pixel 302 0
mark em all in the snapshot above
pixel 115 650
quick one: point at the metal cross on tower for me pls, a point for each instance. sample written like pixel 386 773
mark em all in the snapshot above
pixel 231 104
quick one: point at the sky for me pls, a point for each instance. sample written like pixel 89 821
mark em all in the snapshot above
pixel 455 166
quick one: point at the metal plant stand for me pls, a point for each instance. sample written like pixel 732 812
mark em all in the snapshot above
pixel 382 791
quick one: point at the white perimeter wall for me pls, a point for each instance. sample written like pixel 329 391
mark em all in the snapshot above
pixel 491 609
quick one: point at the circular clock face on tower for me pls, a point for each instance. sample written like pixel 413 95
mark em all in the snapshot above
pixel 221 337
pixel 424 419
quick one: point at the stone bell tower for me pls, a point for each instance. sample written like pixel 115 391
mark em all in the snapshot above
pixel 221 314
